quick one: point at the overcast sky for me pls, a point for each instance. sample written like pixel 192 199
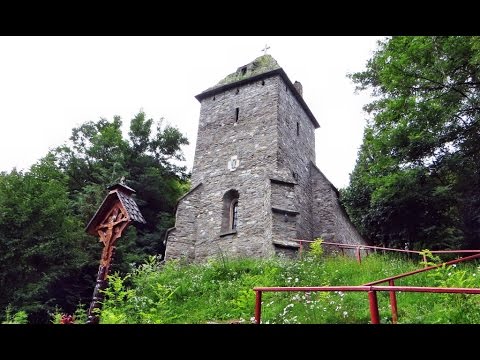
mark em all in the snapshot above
pixel 48 85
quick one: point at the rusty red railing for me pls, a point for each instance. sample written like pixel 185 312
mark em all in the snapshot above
pixel 391 280
pixel 359 248
pixel 371 290
pixel 371 287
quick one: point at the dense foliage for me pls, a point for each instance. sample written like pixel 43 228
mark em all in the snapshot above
pixel 417 179
pixel 220 291
pixel 46 259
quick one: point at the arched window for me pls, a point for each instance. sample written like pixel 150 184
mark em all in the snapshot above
pixel 234 214
pixel 230 211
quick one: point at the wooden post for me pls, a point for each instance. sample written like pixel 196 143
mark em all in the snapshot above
pixel 359 257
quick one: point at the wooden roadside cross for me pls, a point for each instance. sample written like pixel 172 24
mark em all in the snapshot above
pixel 117 211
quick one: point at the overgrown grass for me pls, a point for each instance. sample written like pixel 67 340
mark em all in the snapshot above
pixel 220 291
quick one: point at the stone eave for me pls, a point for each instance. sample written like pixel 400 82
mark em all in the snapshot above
pixel 184 196
pixel 328 181
pixel 286 243
pixel 283 75
pixel 283 182
pixel 284 211
pixel 189 192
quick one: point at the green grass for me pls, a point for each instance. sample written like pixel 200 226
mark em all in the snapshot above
pixel 220 291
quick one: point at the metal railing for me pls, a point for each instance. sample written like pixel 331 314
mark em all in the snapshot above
pixel 371 290
pixel 391 280
pixel 372 287
pixel 359 248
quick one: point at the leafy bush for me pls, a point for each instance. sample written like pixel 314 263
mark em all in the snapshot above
pixel 221 291
pixel 19 317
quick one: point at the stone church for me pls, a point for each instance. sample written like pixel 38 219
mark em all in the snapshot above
pixel 255 185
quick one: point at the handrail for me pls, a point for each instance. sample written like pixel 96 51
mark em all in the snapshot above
pixel 371 290
pixel 352 246
pixel 471 257
pixel 366 247
pixel 363 247
pixel 428 289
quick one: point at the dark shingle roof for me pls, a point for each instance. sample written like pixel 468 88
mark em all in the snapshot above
pixel 117 192
pixel 131 206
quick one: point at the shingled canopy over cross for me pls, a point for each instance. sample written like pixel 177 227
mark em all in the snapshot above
pixel 117 211
pixel 119 194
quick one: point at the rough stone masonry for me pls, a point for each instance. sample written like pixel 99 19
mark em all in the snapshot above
pixel 255 185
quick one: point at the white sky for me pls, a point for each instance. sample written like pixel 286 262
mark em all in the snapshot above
pixel 48 85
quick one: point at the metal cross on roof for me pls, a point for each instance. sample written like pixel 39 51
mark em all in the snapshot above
pixel 265 49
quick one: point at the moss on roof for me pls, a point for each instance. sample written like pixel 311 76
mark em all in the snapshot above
pixel 260 65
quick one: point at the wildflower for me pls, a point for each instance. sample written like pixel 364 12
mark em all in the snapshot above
pixel 345 314
pixel 454 265
pixel 67 319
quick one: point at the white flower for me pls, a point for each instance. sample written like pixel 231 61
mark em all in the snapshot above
pixel 345 314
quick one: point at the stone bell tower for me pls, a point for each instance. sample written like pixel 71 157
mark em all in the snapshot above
pixel 255 185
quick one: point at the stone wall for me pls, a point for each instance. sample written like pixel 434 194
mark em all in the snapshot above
pixel 296 149
pixel 330 220
pixel 251 138
pixel 181 240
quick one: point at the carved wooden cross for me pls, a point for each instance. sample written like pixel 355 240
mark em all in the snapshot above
pixel 110 230
pixel 117 211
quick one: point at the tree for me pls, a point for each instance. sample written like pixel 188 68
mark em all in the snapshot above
pixel 99 155
pixel 41 241
pixel 46 258
pixel 416 178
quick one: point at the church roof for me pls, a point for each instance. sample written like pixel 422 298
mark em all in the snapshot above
pixel 262 67
pixel 258 66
